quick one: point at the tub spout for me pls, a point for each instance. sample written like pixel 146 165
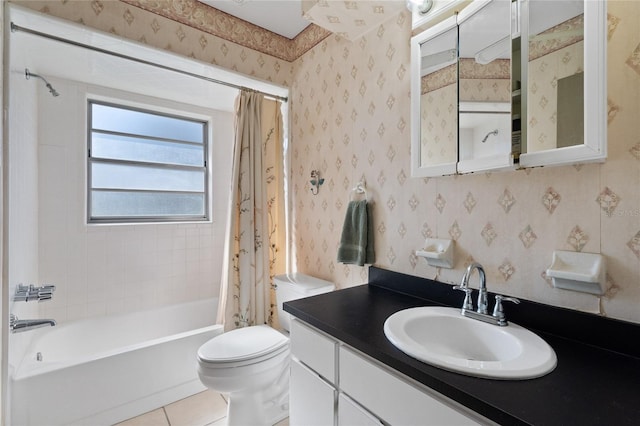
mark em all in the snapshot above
pixel 17 325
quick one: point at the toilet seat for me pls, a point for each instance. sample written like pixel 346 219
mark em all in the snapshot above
pixel 243 346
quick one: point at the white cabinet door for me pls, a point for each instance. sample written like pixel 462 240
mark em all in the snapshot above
pixel 394 400
pixel 352 414
pixel 311 399
pixel 315 349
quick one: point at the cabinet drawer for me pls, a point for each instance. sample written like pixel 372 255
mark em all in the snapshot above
pixel 312 400
pixel 419 405
pixel 314 349
pixel 352 414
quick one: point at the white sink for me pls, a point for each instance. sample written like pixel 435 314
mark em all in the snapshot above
pixel 444 338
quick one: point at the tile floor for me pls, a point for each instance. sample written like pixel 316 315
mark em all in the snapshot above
pixel 207 408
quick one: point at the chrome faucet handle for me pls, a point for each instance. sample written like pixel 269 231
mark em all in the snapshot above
pixel 22 289
pixel 28 293
pixel 498 311
pixel 467 304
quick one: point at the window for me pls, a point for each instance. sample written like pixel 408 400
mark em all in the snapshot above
pixel 145 166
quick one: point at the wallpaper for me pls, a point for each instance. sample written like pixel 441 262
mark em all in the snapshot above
pixel 544 73
pixel 438 126
pixel 183 34
pixel 350 120
pixel 350 102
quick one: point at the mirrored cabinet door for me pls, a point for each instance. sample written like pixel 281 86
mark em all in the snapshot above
pixel 485 140
pixel 509 84
pixel 565 66
pixel 434 100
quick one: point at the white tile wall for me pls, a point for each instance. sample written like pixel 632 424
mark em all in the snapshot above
pixel 112 269
pixel 23 204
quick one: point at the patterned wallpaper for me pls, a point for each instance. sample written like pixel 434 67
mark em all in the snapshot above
pixel 545 71
pixel 438 126
pixel 350 120
pixel 176 26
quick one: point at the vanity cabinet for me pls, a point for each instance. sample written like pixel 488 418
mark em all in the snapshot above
pixel 311 399
pixel 360 391
pixel 312 391
pixel 350 413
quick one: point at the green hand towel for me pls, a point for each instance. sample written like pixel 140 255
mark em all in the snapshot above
pixel 356 242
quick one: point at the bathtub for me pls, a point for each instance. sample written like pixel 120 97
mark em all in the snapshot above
pixel 104 370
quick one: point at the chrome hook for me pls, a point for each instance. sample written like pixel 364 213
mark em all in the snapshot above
pixel 316 181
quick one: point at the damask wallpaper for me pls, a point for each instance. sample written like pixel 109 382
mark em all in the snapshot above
pixel 438 138
pixel 177 26
pixel 545 71
pixel 350 120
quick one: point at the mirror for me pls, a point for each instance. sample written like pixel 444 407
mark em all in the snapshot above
pixel 485 86
pixel 565 53
pixel 522 75
pixel 434 100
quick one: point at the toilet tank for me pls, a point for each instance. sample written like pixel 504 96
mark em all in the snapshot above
pixel 297 286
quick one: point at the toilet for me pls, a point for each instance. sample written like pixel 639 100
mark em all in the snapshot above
pixel 251 364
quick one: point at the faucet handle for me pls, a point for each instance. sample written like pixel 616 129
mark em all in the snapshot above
pixel 498 312
pixel 467 304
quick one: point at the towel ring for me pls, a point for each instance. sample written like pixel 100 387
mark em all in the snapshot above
pixel 359 189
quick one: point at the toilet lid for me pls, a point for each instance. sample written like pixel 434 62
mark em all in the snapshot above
pixel 242 344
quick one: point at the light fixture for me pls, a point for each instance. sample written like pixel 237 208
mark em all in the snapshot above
pixel 422 6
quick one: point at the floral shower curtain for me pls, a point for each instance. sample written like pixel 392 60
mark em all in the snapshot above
pixel 255 240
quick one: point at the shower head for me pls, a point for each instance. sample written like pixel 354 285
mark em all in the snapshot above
pixel 28 75
pixel 53 91
pixel 495 132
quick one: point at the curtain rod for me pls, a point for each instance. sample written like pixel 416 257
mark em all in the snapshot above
pixel 15 28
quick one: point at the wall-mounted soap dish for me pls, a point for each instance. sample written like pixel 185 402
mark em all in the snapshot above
pixel 437 252
pixel 584 272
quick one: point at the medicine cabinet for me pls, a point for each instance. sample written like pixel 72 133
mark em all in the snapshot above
pixel 504 85
pixel 484 101
pixel 434 100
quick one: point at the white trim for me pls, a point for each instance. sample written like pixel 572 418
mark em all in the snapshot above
pixel 436 12
pixel 472 9
pixel 417 170
pixel 594 148
pixel 494 163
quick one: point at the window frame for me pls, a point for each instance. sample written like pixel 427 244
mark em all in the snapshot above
pixel 160 111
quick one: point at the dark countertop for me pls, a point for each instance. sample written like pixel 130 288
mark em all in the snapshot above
pixel 596 382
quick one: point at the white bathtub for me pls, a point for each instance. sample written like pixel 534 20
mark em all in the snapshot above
pixel 105 370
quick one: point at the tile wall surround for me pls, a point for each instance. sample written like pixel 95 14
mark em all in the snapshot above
pixel 114 269
pixel 350 119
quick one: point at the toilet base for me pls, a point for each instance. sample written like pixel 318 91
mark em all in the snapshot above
pixel 242 411
pixel 265 408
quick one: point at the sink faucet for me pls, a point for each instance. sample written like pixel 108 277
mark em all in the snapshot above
pixel 482 289
pixel 18 326
pixel 498 317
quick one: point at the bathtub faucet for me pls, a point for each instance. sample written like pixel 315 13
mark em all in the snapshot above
pixel 18 326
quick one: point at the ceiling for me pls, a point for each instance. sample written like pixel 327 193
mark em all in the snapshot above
pixel 282 17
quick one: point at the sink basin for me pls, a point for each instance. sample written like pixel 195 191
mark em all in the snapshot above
pixel 444 338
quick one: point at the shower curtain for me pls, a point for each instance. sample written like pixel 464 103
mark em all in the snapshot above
pixel 255 237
